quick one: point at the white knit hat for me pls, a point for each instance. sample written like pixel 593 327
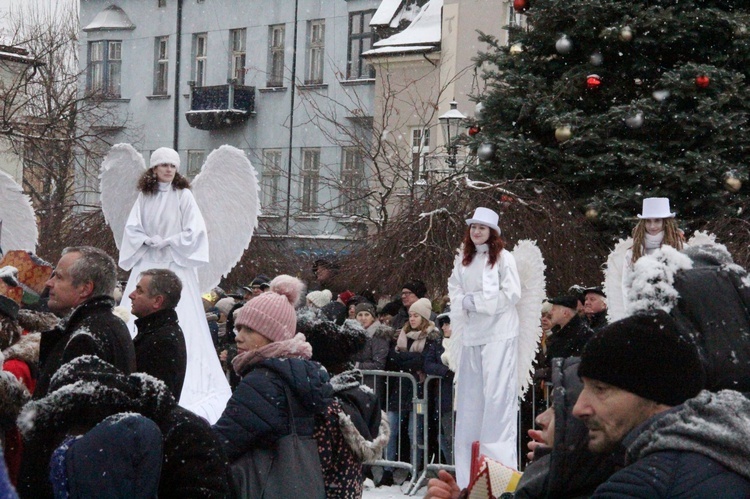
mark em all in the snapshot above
pixel 423 307
pixel 165 155
pixel 320 298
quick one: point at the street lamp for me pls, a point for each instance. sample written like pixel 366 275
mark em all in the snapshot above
pixel 450 122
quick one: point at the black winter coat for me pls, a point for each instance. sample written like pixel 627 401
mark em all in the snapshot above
pixel 700 449
pixel 160 349
pixel 569 340
pixel 433 366
pixel 570 470
pixel 91 329
pixel 194 464
pixel 258 412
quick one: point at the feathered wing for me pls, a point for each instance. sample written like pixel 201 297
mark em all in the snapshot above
pixel 18 230
pixel 613 280
pixel 531 266
pixel 118 184
pixel 228 195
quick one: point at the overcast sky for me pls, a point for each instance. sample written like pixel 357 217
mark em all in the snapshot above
pixel 16 6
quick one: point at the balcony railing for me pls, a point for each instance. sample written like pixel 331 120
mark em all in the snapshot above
pixel 220 106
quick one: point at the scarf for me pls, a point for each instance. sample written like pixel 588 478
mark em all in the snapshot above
pixel 296 347
pixel 419 337
pixel 370 331
pixel 651 243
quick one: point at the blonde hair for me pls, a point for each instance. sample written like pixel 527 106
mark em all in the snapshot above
pixel 672 236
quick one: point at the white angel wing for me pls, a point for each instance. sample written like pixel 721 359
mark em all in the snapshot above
pixel 227 193
pixel 531 266
pixel 701 238
pixel 613 280
pixel 118 183
pixel 18 229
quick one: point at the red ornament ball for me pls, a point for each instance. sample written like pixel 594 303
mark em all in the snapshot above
pixel 702 81
pixel 593 82
pixel 521 6
pixel 473 130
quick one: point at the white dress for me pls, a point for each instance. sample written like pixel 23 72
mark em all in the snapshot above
pixel 487 384
pixel 173 215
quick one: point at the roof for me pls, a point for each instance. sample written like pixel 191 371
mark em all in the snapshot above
pixel 386 12
pixel 423 34
pixel 111 18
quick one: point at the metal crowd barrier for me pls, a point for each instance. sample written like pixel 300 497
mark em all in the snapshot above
pixel 420 463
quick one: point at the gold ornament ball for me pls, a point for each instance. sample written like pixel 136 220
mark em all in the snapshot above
pixel 563 133
pixel 733 184
pixel 516 49
pixel 592 214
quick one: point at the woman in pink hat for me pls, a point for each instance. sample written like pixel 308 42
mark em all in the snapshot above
pixel 279 382
pixel 484 289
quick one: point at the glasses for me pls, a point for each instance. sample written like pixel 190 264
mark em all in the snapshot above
pixel 406 293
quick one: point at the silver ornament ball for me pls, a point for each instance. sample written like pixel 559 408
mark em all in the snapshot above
pixel 564 45
pixel 486 151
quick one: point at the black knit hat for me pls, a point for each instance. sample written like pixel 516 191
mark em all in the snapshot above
pixel 417 287
pixel 565 301
pixel 645 355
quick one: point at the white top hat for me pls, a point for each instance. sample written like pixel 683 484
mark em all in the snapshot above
pixel 485 216
pixel 656 208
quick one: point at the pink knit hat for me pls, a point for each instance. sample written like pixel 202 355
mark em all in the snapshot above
pixel 272 314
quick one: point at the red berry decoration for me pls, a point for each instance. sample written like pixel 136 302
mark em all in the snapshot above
pixel 521 6
pixel 473 130
pixel 702 81
pixel 593 82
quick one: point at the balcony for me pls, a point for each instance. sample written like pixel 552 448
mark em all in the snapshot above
pixel 220 106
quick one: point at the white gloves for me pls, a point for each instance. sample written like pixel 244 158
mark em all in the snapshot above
pixel 156 242
pixel 468 303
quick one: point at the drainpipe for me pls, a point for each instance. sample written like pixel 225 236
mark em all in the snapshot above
pixel 177 67
pixel 291 119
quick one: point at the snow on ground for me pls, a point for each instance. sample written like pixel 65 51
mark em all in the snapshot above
pixel 392 492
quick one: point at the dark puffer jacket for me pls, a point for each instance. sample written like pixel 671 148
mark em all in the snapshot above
pixel 91 329
pixel 258 412
pixel 570 470
pixel 700 449
pixel 86 391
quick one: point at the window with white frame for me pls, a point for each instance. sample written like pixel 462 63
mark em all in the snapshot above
pixel 237 38
pixel 200 49
pixel 316 34
pixel 420 147
pixel 161 69
pixel 105 62
pixel 353 194
pixel 310 179
pixel 276 56
pixel 271 180
pixel 361 38
pixel 195 158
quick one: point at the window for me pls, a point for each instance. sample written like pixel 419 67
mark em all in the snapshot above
pixel 237 38
pixel 310 177
pixel 196 158
pixel 316 35
pixel 361 39
pixel 105 61
pixel 200 43
pixel 353 194
pixel 271 180
pixel 420 147
pixel 161 71
pixel 276 56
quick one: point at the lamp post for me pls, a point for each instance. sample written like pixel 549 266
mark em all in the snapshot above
pixel 450 122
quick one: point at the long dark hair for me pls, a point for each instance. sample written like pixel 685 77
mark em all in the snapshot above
pixel 494 242
pixel 149 182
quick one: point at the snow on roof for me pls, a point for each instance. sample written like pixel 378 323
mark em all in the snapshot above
pixel 385 12
pixel 425 29
pixel 400 49
pixel 111 18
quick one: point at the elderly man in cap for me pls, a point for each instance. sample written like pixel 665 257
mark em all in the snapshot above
pixel 568 335
pixel 595 307
pixel 642 385
pixel 258 286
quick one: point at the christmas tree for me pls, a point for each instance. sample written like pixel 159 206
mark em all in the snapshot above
pixel 615 101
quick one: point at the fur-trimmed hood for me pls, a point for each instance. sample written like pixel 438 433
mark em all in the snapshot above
pixel 25 349
pixel 37 322
pixel 379 330
pixel 13 395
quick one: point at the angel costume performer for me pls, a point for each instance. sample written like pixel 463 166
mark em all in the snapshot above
pixel 487 384
pixel 166 230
